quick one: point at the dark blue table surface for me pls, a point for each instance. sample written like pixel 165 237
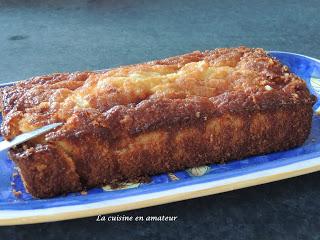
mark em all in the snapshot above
pixel 39 38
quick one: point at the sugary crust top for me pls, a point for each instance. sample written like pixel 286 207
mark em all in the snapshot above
pixel 136 98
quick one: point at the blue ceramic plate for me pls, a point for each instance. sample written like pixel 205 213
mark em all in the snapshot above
pixel 170 187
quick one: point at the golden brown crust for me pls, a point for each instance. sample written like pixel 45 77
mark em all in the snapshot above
pixel 46 170
pixel 230 136
pixel 222 80
pixel 159 116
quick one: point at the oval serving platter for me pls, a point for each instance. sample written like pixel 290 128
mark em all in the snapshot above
pixel 169 187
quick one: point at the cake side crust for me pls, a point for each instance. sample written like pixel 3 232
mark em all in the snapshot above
pixel 220 139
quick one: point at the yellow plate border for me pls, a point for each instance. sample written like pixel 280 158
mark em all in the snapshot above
pixel 17 217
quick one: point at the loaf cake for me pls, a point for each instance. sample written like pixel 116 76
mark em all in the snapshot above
pixel 155 117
